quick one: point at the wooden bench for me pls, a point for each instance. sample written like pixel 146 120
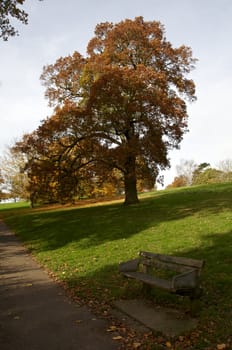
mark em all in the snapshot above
pixel 152 269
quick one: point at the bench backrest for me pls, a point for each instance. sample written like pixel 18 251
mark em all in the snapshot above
pixel 168 262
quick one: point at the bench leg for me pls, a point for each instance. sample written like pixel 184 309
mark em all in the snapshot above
pixel 195 301
pixel 146 289
pixel 195 307
pixel 196 293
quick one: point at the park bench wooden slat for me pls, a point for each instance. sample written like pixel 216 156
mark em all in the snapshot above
pixel 157 282
pixel 175 260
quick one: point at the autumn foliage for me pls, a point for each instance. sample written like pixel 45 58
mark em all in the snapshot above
pixel 117 112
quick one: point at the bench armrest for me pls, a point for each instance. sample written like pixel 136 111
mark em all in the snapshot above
pixel 186 280
pixel 129 266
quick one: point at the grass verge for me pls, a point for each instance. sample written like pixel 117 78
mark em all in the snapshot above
pixel 82 246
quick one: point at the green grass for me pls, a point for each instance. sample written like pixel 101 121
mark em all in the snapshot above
pixel 83 246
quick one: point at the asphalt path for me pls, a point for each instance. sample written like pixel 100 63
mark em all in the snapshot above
pixel 35 313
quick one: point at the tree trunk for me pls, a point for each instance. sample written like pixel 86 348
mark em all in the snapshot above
pixel 131 196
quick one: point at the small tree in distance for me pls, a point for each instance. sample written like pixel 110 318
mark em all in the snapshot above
pixel 201 174
pixel 14 179
pixel 1 182
pixel 225 165
pixel 185 170
pixel 123 107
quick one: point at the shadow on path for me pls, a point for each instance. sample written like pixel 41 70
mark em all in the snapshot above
pixel 34 312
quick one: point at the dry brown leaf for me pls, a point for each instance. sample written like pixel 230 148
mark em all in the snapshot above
pixel 111 329
pixel 118 337
pixel 78 321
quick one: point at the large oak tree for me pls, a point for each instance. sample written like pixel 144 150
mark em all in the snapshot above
pixel 121 107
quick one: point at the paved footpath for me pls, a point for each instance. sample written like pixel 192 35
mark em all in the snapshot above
pixel 35 314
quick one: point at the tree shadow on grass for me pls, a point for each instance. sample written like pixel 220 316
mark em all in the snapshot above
pixel 106 284
pixel 215 277
pixel 96 225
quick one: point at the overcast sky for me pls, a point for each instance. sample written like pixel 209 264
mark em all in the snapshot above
pixel 57 28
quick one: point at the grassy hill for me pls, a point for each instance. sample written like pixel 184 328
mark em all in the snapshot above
pixel 83 245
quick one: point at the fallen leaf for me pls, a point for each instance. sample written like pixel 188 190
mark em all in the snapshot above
pixel 221 346
pixel 78 321
pixel 168 344
pixel 131 335
pixel 28 285
pixel 136 345
pixel 111 329
pixel 118 337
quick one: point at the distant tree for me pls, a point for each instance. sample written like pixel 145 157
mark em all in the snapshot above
pixel 11 9
pixel 123 107
pixel 198 171
pixel 202 167
pixel 179 181
pixel 185 170
pixel 208 176
pixel 225 165
pixel 14 179
pixel 227 176
pixel 1 182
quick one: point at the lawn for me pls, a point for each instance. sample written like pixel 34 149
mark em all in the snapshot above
pixel 83 245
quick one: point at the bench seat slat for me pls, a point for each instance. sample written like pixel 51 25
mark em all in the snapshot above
pixel 153 281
